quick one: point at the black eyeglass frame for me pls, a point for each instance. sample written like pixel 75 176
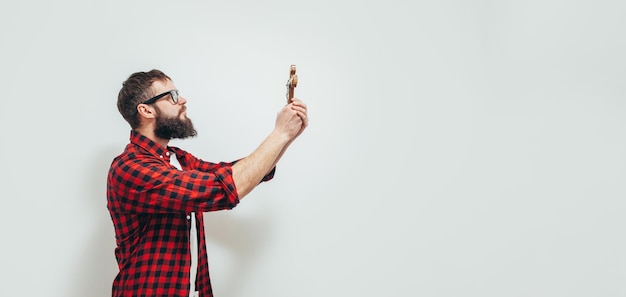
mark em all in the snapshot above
pixel 173 93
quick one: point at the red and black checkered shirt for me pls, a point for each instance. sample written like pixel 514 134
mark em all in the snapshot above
pixel 150 202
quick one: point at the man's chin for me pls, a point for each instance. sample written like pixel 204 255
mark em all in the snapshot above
pixel 175 129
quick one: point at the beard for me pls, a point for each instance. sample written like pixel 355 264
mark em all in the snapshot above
pixel 175 127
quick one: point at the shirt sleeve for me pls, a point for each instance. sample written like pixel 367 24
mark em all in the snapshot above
pixel 206 166
pixel 150 186
pixel 196 163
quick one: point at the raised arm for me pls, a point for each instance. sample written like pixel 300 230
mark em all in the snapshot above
pixel 290 122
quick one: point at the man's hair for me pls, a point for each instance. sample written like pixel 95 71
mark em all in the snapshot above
pixel 136 89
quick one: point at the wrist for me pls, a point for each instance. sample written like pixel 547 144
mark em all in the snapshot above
pixel 280 137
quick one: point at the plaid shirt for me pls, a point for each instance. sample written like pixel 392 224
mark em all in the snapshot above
pixel 150 202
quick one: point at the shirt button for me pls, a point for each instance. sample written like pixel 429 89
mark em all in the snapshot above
pixel 167 154
pixel 188 217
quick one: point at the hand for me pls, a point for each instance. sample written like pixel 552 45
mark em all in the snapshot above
pixel 301 109
pixel 292 119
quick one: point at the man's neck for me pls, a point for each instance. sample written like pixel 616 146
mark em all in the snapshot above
pixel 149 132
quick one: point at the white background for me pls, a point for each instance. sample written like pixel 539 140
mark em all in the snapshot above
pixel 456 148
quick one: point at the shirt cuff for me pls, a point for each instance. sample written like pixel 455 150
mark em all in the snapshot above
pixel 225 176
pixel 270 175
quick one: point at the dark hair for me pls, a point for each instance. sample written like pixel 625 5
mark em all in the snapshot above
pixel 136 89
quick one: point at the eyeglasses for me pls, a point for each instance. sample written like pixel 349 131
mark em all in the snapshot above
pixel 173 93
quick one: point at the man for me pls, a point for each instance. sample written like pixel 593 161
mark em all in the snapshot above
pixel 154 191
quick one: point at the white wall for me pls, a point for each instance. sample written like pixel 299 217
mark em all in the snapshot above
pixel 456 148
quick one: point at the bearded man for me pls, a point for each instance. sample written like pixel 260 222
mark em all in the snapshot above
pixel 156 193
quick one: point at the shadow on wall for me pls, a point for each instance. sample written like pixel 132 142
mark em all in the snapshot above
pixel 98 267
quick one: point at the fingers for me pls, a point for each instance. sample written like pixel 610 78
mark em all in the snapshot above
pixel 297 102
pixel 298 105
pixel 303 117
pixel 300 109
pixel 305 122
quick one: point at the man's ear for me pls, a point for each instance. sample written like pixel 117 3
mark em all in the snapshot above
pixel 146 111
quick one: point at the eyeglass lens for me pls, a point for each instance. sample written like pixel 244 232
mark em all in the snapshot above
pixel 174 94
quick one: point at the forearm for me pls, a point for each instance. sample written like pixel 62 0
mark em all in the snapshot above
pixel 249 171
pixel 280 155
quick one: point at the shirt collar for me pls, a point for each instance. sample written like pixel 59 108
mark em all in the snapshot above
pixel 149 145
